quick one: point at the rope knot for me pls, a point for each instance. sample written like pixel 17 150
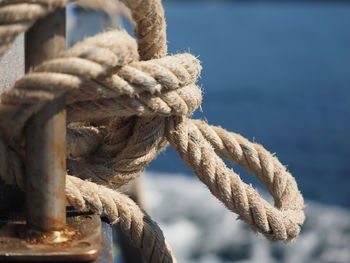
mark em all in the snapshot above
pixel 125 103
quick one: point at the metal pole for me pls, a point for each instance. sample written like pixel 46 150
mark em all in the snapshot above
pixel 46 134
pixel 45 175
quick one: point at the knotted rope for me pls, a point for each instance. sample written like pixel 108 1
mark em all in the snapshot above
pixel 122 111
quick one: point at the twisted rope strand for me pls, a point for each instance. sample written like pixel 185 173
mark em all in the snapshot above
pixel 75 74
pixel 256 160
pixel 142 230
pixel 170 72
pixel 180 102
pixel 151 34
pixel 150 27
pixel 35 89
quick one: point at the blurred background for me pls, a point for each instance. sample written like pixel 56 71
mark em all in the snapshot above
pixel 277 72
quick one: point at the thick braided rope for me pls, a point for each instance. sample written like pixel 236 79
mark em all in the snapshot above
pixel 17 16
pixel 84 73
pixel 181 102
pixel 281 223
pixel 277 224
pixel 108 50
pixel 278 228
pixel 144 233
pixel 119 169
pixel 10 98
pixel 151 34
pixel 150 30
pixel 256 160
pixel 150 27
pixel 80 72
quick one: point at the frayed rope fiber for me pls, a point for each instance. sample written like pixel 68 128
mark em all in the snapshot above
pixel 126 101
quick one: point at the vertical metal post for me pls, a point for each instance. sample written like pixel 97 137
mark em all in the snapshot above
pixel 46 134
pixel 45 172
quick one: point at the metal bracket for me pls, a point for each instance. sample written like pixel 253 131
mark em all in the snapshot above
pixel 83 244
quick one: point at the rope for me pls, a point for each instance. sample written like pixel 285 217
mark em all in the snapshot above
pixel 125 103
pixel 142 230
pixel 280 223
pixel 150 27
pixel 256 160
pixel 83 74
pixel 150 31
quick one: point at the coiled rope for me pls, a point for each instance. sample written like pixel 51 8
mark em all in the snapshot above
pixel 125 103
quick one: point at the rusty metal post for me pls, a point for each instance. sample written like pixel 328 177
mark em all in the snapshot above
pixel 51 235
pixel 46 134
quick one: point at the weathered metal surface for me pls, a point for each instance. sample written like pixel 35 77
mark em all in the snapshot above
pixel 46 136
pixel 46 168
pixel 83 245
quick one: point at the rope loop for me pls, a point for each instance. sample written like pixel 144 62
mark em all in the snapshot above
pixel 199 144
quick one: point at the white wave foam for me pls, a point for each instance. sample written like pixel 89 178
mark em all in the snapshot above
pixel 201 230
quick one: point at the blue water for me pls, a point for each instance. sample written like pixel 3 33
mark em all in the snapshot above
pixel 279 74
